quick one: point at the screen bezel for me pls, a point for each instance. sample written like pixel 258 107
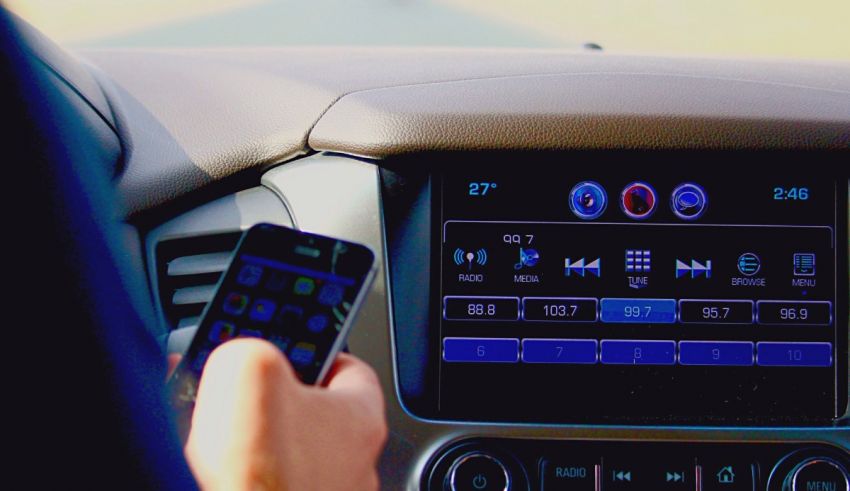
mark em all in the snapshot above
pixel 412 208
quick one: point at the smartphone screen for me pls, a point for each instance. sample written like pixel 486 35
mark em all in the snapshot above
pixel 297 290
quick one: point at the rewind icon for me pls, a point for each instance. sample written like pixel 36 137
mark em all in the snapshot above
pixel 580 268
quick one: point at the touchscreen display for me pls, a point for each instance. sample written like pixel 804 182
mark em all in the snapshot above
pixel 662 296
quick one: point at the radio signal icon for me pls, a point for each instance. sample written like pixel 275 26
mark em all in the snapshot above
pixel 470 258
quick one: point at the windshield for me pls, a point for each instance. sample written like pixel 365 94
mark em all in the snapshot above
pixel 777 28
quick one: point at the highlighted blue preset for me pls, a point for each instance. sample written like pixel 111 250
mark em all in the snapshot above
pixel 626 352
pixel 481 350
pixel 588 200
pixel 580 351
pixel 638 310
pixel 773 354
pixel 720 353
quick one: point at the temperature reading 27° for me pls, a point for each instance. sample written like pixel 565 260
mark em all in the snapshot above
pixel 481 188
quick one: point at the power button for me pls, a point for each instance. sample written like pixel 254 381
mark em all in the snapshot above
pixel 477 471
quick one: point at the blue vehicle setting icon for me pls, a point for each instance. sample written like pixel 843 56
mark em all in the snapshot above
pixel 688 201
pixel 588 200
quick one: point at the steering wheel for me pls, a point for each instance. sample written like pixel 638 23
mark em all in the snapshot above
pixel 84 375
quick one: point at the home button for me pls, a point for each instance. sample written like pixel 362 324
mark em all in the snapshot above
pixel 726 475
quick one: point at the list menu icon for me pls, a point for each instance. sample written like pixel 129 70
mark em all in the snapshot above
pixel 804 264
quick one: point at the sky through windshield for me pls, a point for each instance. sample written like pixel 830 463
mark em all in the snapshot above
pixel 777 28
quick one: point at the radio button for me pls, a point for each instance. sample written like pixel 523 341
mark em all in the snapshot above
pixel 567 474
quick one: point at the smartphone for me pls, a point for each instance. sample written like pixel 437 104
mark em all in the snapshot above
pixel 297 290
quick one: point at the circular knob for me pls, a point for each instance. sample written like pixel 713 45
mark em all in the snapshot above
pixel 477 471
pixel 819 473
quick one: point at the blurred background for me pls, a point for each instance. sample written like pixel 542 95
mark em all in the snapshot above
pixel 812 29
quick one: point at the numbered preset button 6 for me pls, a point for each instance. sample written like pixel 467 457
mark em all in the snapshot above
pixel 481 350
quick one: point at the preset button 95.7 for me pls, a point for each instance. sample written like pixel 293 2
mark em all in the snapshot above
pixel 716 311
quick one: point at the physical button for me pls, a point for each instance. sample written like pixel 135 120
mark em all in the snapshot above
pixel 726 475
pixel 661 475
pixel 569 474
pixel 477 471
pixel 820 475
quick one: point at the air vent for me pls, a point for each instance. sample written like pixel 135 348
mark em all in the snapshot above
pixel 188 271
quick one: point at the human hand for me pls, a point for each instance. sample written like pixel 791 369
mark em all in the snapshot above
pixel 257 427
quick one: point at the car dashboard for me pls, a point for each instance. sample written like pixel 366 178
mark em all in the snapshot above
pixel 720 346
pixel 597 271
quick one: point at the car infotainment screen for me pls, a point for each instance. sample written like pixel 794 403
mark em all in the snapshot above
pixel 672 293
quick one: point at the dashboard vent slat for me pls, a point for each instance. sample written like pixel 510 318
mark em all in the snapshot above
pixel 193 294
pixel 188 322
pixel 188 270
pixel 215 262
